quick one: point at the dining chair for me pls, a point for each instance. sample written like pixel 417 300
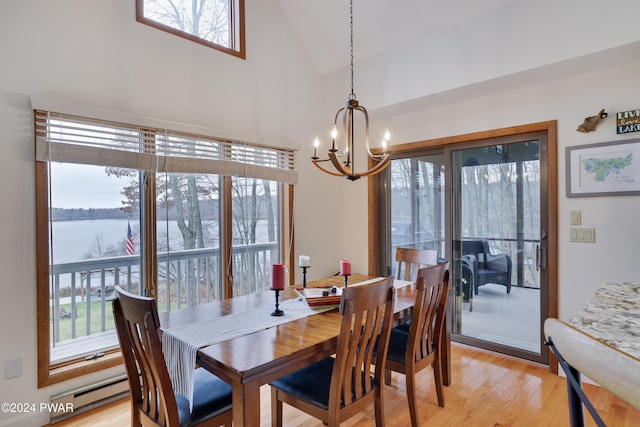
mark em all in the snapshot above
pixel 336 388
pixel 412 350
pixel 153 401
pixel 409 260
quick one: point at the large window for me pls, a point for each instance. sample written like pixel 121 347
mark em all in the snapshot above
pixel 185 218
pixel 215 23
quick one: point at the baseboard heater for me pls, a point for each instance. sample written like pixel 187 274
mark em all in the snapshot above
pixel 88 397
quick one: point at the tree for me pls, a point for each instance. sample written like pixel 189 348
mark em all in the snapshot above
pixel 207 19
pixel 98 249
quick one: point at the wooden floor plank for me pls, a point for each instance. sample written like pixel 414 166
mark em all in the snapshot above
pixel 488 389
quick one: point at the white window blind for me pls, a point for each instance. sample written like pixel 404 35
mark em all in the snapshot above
pixel 73 139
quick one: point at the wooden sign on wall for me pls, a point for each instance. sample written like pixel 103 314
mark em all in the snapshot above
pixel 628 121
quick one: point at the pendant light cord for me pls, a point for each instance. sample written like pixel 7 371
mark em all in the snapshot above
pixel 352 96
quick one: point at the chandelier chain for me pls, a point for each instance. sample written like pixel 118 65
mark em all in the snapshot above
pixel 352 96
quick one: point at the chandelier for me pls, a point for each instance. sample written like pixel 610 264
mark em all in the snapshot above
pixel 346 131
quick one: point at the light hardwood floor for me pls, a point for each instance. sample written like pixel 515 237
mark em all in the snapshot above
pixel 488 389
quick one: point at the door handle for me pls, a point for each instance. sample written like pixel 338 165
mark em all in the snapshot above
pixel 541 258
pixel 541 253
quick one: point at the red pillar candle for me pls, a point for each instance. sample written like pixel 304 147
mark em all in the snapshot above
pixel 277 276
pixel 345 267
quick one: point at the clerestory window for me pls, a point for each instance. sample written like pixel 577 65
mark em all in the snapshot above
pixel 182 217
pixel 215 23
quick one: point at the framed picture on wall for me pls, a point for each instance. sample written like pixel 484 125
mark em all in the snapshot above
pixel 603 169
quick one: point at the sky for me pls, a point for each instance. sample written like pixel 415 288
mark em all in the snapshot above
pixel 85 186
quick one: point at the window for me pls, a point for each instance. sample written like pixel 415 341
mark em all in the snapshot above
pixel 215 23
pixel 211 210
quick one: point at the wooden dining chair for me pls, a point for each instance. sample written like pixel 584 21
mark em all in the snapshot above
pixel 409 260
pixel 153 402
pixel 412 350
pixel 336 388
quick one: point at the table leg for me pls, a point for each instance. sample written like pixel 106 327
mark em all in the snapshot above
pixel 246 404
pixel 576 413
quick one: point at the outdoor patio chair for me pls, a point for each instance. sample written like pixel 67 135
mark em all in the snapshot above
pixel 487 267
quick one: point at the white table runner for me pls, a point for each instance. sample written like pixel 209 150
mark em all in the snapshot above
pixel 180 344
pixel 399 284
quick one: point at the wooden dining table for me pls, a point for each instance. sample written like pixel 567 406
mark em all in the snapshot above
pixel 252 360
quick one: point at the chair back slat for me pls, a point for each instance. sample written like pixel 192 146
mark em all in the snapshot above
pixel 367 313
pixel 440 325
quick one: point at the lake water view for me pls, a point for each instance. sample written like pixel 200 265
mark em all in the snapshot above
pixel 73 239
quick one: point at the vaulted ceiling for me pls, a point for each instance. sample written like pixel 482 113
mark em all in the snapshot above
pixel 463 48
pixel 323 25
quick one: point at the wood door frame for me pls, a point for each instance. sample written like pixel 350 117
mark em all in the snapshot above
pixel 378 240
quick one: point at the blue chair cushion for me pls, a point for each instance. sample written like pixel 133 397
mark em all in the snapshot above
pixel 404 327
pixel 311 383
pixel 398 344
pixel 211 397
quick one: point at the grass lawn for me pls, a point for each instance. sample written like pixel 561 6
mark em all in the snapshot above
pixel 95 308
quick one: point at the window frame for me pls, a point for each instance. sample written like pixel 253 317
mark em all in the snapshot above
pixel 236 29
pixel 52 373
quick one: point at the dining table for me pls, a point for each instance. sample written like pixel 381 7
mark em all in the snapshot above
pixel 249 360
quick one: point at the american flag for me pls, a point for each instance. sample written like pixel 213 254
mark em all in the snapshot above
pixel 130 248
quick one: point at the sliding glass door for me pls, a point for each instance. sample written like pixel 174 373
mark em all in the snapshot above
pixel 497 249
pixel 484 204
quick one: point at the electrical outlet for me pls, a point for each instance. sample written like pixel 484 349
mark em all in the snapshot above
pixel 582 235
pixel 589 235
pixel 13 368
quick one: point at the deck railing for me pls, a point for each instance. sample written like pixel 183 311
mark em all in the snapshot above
pixel 524 271
pixel 81 291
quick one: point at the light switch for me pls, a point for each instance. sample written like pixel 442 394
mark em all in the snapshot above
pixel 576 217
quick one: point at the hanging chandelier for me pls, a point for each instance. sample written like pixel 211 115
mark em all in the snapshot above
pixel 346 166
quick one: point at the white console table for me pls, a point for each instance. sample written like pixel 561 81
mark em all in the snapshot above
pixel 602 342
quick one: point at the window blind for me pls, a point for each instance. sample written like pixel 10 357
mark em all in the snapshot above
pixel 73 139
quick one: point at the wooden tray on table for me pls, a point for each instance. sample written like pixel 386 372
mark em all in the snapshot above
pixel 321 297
